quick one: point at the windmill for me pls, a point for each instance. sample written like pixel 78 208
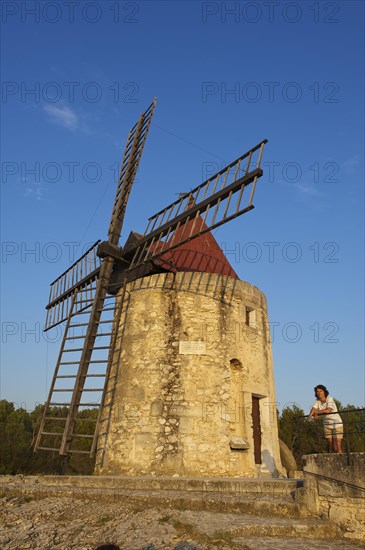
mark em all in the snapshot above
pixel 91 296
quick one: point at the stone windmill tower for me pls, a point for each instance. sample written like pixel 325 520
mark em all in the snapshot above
pixel 173 347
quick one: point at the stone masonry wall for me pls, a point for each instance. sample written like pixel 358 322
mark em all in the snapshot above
pixel 196 347
pixel 334 489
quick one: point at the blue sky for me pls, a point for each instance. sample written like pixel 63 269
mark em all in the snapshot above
pixel 226 75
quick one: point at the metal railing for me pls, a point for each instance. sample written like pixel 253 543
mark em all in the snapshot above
pixel 352 486
pixel 353 421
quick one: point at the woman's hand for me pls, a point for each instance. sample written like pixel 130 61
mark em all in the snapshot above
pixel 313 415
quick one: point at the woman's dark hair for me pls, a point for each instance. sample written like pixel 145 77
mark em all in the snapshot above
pixel 320 387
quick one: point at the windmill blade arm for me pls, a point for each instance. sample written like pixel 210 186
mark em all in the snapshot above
pixel 226 175
pixel 80 275
pixel 131 158
pixel 211 204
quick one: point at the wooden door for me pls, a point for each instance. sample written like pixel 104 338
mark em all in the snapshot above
pixel 256 427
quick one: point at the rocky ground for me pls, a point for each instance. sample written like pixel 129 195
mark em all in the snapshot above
pixel 66 523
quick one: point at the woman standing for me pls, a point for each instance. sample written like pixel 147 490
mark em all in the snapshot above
pixel 333 427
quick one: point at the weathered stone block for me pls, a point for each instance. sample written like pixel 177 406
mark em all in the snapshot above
pixel 334 487
pixel 238 443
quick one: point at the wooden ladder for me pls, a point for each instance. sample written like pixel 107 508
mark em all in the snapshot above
pixel 66 416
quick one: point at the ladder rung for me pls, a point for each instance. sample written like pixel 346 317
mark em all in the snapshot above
pixel 93 389
pixel 80 349
pixel 97 335
pixel 83 435
pixel 75 376
pixel 48 449
pixel 78 362
pixel 84 301
pixel 54 418
pixel 78 404
pixel 87 324
pixel 84 311
pixel 52 433
pixel 86 289
pixel 62 390
pixel 75 451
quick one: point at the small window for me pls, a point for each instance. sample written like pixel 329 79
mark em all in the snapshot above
pixel 235 363
pixel 250 317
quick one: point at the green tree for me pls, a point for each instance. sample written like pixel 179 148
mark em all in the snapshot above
pixel 44 462
pixel 19 430
pixel 15 443
pixel 302 437
pixel 354 424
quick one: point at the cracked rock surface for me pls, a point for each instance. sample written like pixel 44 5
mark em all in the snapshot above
pixel 65 523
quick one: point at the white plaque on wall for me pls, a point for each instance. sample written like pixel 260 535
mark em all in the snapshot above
pixel 192 347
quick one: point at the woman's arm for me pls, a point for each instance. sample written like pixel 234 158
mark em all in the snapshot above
pixel 316 412
pixel 313 412
pixel 324 411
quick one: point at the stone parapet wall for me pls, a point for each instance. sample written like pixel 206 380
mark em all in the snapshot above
pixel 334 489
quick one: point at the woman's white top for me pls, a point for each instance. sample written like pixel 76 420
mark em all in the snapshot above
pixel 328 419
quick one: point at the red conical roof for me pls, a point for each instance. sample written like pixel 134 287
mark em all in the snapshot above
pixel 202 253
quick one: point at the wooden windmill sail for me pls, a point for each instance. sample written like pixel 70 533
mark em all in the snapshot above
pixel 91 297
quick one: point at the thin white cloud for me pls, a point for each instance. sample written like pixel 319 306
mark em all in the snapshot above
pixel 63 116
pixel 307 190
pixel 303 189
